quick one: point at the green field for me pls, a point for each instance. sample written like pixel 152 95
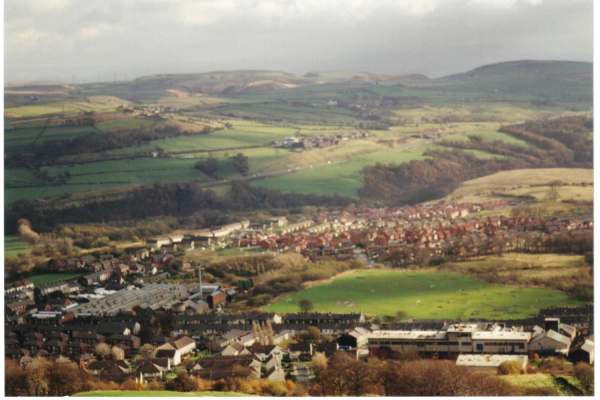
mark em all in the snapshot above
pixel 157 393
pixel 13 245
pixel 216 140
pixel 343 178
pixel 423 295
pixel 540 381
pixel 292 105
pixel 491 136
pixel 45 279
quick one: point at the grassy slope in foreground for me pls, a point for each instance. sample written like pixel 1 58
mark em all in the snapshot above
pixel 157 393
pixel 424 295
pixel 539 381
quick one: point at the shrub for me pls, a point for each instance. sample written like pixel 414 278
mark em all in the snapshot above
pixel 273 388
pixel 509 368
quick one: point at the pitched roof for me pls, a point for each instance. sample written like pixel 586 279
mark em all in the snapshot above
pixel 554 336
pixel 149 368
pixel 184 341
pixel 302 347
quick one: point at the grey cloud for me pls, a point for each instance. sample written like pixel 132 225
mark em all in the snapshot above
pixel 50 39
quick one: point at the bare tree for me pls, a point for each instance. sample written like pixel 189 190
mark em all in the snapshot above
pixel 102 350
pixel 37 377
pixel 146 351
pixel 15 377
pixel 117 353
pixel 305 306
pixel 359 377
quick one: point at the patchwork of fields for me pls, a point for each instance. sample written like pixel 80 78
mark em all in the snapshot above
pixel 423 295
pixel 255 115
pixel 13 245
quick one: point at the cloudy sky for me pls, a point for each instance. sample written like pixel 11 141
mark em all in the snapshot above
pixel 100 40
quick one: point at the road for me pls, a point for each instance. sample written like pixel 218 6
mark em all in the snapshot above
pixel 302 372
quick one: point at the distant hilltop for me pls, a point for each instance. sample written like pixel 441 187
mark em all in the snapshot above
pixel 528 76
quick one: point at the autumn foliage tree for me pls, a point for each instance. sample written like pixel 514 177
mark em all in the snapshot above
pixel 240 163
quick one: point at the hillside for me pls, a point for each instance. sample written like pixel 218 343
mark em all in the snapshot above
pixel 104 143
pixel 364 77
pixel 556 79
pixel 527 182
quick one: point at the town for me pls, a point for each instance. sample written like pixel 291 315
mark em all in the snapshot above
pixel 126 320
pixel 298 199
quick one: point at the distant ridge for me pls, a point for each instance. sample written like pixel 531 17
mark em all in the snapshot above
pixel 526 66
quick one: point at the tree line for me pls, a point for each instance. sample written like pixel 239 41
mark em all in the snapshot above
pixel 95 142
pixel 202 208
pixel 559 143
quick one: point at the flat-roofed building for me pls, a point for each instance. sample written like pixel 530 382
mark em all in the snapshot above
pixel 500 342
pixel 419 341
pixel 460 337
pixel 455 339
pixel 490 361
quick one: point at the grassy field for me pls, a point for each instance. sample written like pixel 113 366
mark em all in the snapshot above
pixel 552 271
pixel 288 105
pixel 540 381
pixel 157 393
pixel 526 182
pixel 45 279
pixel 13 245
pixel 343 178
pixel 539 266
pixel 423 295
pixel 217 140
pixel 491 136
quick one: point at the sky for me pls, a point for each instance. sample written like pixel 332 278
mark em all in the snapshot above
pixel 89 41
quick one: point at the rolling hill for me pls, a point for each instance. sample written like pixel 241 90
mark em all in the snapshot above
pixel 565 80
